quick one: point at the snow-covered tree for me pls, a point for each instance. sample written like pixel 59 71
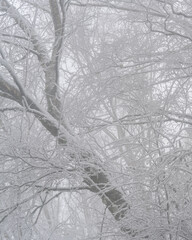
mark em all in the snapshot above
pixel 95 119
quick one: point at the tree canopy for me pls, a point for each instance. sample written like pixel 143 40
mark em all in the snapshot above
pixel 95 119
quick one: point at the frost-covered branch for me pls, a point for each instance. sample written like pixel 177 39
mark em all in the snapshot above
pixel 62 189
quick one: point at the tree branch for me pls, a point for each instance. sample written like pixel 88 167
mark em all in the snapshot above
pixel 115 7
pixel 52 70
pixel 27 28
pixel 63 189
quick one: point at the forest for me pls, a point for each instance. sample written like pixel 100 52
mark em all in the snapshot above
pixel 95 120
